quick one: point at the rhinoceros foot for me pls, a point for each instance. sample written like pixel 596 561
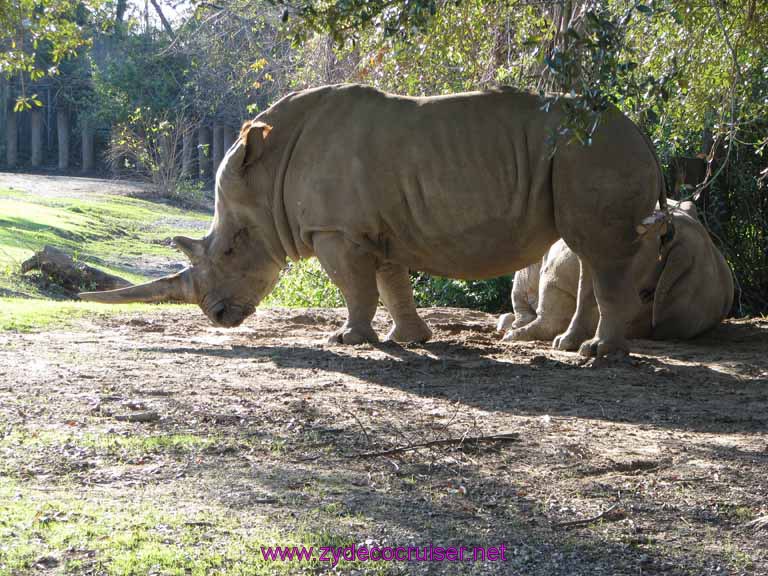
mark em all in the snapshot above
pixel 569 340
pixel 522 334
pixel 353 335
pixel 514 321
pixel 596 347
pixel 415 331
pixel 505 322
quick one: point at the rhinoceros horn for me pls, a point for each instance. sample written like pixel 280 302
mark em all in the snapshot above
pixel 192 249
pixel 177 287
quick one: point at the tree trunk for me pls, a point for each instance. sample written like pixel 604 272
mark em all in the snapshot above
pixel 229 138
pixel 187 150
pixel 11 140
pixel 120 12
pixel 218 145
pixel 62 133
pixel 36 137
pixel 163 19
pixel 87 149
pixel 204 152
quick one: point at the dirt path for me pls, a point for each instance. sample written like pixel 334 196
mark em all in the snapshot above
pixel 70 186
pixel 675 437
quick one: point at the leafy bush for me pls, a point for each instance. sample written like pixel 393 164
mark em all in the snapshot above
pixel 150 145
pixel 305 283
pixel 735 210
pixel 488 295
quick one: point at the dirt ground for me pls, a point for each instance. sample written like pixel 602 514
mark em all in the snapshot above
pixel 671 442
pixel 70 186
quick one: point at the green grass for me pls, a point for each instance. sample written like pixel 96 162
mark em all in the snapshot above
pixel 25 314
pixel 106 444
pixel 172 527
pixel 104 533
pixel 109 532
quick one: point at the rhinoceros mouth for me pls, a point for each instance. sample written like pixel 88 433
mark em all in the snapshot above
pixel 227 314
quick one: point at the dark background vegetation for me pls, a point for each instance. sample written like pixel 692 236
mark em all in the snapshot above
pixel 692 73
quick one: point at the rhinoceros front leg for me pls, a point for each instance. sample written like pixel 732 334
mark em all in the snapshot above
pixel 395 289
pixel 354 271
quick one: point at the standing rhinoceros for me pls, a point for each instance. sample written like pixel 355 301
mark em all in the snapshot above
pixel 464 186
pixel 685 285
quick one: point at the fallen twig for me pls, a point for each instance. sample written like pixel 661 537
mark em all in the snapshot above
pixel 689 479
pixel 359 423
pixel 586 521
pixel 503 437
pixel 758 523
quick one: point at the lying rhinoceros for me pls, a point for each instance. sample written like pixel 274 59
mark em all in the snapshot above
pixel 465 186
pixel 685 287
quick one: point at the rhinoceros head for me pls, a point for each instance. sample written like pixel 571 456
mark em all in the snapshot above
pixel 235 265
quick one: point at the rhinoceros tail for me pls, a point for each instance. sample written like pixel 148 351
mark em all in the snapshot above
pixel 659 221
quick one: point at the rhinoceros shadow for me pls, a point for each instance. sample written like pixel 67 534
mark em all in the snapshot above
pixel 673 392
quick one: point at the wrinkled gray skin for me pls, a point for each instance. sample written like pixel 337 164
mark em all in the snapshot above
pixel 688 291
pixel 464 186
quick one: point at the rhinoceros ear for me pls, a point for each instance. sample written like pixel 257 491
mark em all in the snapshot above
pixel 193 249
pixel 254 135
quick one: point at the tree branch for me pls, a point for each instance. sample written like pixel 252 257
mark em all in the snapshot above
pixel 164 20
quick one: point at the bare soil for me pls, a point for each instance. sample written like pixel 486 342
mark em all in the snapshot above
pixel 673 440
pixel 70 186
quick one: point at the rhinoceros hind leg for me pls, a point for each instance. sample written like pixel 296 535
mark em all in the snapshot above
pixel 555 309
pixel 396 292
pixel 354 272
pixel 617 300
pixel 544 327
pixel 584 320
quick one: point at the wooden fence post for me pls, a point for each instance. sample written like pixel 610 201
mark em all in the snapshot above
pixel 36 136
pixel 62 135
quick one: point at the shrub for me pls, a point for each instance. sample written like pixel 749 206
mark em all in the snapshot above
pixel 151 146
pixel 487 295
pixel 305 283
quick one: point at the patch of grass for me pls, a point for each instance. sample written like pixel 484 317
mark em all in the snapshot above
pixel 108 443
pixel 139 445
pixel 24 314
pixel 108 533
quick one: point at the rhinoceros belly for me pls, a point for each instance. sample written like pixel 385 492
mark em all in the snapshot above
pixel 459 186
